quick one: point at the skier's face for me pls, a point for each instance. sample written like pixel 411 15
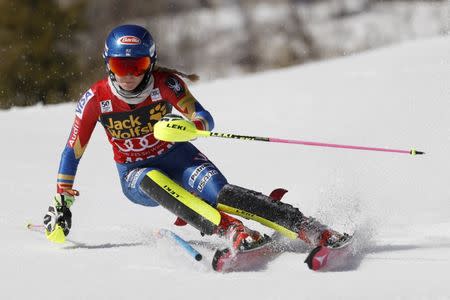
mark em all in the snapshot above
pixel 129 71
pixel 129 82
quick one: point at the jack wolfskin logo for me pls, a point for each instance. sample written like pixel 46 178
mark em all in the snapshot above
pixel 137 123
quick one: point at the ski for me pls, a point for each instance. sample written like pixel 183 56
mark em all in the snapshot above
pixel 229 260
pixel 323 258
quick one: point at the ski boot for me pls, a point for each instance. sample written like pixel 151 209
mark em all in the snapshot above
pixel 249 249
pixel 284 217
pixel 333 239
pixel 241 237
pixel 316 234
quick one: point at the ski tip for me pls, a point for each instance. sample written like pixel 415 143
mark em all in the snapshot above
pixel 310 257
pixel 217 262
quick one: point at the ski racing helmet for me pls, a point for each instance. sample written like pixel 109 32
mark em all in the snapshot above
pixel 130 49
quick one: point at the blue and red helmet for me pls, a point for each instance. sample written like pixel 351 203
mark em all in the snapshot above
pixel 130 41
pixel 130 49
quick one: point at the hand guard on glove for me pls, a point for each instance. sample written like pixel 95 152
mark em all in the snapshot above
pixel 174 117
pixel 59 213
pixel 173 128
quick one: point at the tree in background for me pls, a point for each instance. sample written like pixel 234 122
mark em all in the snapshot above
pixel 37 49
pixel 43 60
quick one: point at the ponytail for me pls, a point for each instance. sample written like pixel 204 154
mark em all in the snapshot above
pixel 192 77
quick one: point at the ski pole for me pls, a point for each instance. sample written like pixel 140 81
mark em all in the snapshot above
pixel 36 227
pixel 180 130
pixel 309 143
pixel 182 243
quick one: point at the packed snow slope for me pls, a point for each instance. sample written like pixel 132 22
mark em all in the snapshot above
pixel 399 204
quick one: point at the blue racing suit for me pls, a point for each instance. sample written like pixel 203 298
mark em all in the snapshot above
pixel 184 164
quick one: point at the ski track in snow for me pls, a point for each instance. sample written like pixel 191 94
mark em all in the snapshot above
pixel 398 205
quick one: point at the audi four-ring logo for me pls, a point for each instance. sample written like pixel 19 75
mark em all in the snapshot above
pixel 135 144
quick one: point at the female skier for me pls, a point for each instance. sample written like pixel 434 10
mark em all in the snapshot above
pixel 134 96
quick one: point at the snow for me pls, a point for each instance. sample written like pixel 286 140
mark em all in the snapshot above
pixel 395 97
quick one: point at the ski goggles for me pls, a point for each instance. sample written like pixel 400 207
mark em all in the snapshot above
pixel 123 66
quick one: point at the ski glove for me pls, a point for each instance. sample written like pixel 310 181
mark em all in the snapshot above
pixel 59 214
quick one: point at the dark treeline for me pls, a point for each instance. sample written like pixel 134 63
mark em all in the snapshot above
pixel 39 62
pixel 51 49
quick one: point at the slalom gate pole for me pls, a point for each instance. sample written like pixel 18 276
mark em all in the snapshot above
pixel 182 243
